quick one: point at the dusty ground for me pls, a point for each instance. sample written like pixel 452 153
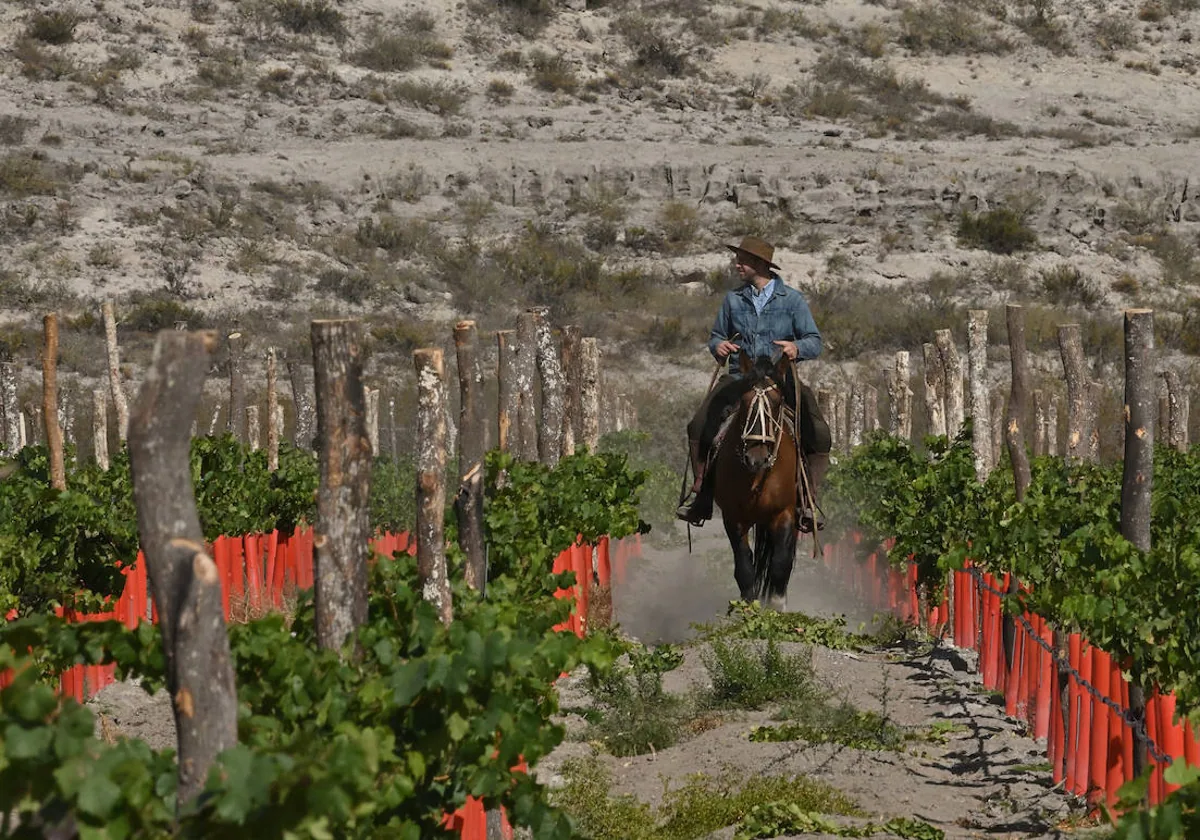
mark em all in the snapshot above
pixel 983 782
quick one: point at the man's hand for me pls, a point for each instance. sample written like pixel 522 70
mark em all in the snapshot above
pixel 789 349
pixel 725 348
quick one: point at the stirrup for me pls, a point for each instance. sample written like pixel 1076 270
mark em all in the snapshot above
pixel 805 520
pixel 687 512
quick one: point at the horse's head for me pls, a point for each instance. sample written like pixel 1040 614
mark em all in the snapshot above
pixel 760 412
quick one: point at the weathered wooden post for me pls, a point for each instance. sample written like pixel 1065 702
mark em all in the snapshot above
pixel 1039 422
pixel 527 419
pixel 589 393
pixel 571 336
pixel 302 402
pixel 371 405
pixel 838 427
pixel 508 398
pixel 343 527
pixel 1079 410
pixel 1177 411
pixel 11 408
pixel 871 408
pixel 468 502
pixel 981 421
pixel 391 425
pixel 100 428
pixel 550 373
pixel 900 398
pixel 120 406
pixel 183 578
pixel 935 389
pixel 237 387
pixel 273 423
pixel 1052 426
pixel 1137 478
pixel 253 430
pixel 855 432
pixel 952 380
pixel 431 481
pixel 1015 438
pixel 1096 391
pixel 999 406
pixel 54 442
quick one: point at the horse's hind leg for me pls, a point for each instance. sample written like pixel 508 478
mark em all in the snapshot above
pixel 781 559
pixel 743 559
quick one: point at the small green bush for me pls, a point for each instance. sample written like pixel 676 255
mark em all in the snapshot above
pixel 1066 285
pixel 746 675
pixel 154 311
pixel 1001 231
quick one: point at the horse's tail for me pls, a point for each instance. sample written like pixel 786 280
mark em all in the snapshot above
pixel 762 559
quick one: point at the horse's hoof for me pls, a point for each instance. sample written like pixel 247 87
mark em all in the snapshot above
pixel 778 603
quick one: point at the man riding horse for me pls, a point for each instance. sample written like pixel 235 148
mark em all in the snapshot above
pixel 765 317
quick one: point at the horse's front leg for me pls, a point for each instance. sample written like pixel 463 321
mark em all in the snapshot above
pixel 782 559
pixel 743 559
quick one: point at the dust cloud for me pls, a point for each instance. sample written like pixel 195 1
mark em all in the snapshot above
pixel 668 589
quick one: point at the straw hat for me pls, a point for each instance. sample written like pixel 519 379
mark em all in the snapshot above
pixel 756 247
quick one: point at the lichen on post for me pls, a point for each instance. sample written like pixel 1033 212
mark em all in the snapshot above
pixel 431 481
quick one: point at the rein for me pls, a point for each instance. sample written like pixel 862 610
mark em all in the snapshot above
pixel 763 426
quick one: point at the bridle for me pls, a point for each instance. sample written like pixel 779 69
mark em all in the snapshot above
pixel 763 426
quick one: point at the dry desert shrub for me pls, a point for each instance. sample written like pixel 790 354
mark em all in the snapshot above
pixel 1001 231
pixel 656 51
pixel 13 129
pixel 1114 31
pixel 311 17
pixel 552 72
pixel 54 27
pixel 1066 285
pixel 401 44
pixel 949 28
pixel 42 64
pixel 499 90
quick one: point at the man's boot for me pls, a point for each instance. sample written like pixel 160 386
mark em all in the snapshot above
pixel 808 517
pixel 691 509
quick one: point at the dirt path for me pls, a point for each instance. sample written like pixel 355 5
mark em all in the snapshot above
pixel 986 780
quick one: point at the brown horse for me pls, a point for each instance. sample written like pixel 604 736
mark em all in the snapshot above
pixel 755 483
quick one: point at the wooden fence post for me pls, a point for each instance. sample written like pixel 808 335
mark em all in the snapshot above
pixel 1079 410
pixel 431 481
pixel 114 370
pixel 855 431
pixel 391 425
pixel 1137 478
pixel 870 408
pixel 572 334
pixel 1095 399
pixel 253 429
pixel 11 408
pixel 551 375
pixel 237 388
pixel 981 420
pixel 302 402
pixel 996 424
pixel 100 428
pixel 54 442
pixel 508 398
pixel 900 398
pixel 527 419
pixel 825 406
pixel 468 501
pixel 589 393
pixel 343 527
pixel 839 419
pixel 183 578
pixel 371 405
pixel 1177 410
pixel 273 423
pixel 952 380
pixel 1018 409
pixel 1039 422
pixel 1052 426
pixel 935 389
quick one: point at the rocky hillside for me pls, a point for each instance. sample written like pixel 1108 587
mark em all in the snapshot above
pixel 260 162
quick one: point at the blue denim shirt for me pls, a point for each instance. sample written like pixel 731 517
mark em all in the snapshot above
pixel 785 317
